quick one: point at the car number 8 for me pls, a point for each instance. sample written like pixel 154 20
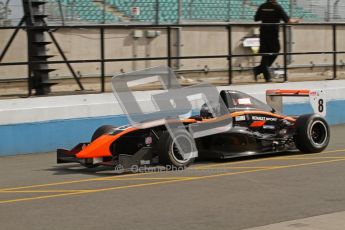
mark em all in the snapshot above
pixel 321 107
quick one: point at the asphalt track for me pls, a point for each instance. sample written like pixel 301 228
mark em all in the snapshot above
pixel 35 193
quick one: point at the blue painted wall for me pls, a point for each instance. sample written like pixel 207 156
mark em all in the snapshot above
pixel 49 135
pixel 335 111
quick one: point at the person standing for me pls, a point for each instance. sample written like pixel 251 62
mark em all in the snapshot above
pixel 269 12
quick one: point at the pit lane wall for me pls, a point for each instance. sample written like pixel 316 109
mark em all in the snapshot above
pixel 44 124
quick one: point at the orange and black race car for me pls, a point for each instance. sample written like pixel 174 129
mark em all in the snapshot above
pixel 257 128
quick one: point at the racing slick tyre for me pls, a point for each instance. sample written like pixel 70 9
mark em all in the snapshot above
pixel 89 165
pixel 312 133
pixel 99 132
pixel 168 152
pixel 102 130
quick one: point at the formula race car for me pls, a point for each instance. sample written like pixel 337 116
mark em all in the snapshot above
pixel 257 128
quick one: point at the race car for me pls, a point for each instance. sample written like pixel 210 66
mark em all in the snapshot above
pixel 257 128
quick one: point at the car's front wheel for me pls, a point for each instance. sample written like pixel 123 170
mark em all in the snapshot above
pixel 105 129
pixel 169 149
pixel 312 133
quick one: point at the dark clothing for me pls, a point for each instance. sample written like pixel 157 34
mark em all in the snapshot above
pixel 268 44
pixel 269 12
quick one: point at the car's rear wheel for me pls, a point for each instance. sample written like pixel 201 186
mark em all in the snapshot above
pixel 170 155
pixel 312 133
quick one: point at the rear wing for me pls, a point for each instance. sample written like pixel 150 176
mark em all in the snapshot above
pixel 317 99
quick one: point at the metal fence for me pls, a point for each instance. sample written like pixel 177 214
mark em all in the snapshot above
pixel 229 56
pixel 327 10
pixel 72 12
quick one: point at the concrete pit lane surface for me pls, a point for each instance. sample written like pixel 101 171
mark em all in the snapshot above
pixel 286 191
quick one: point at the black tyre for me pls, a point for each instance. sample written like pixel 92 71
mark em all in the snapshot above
pixel 168 152
pixel 89 165
pixel 312 133
pixel 99 132
pixel 102 130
